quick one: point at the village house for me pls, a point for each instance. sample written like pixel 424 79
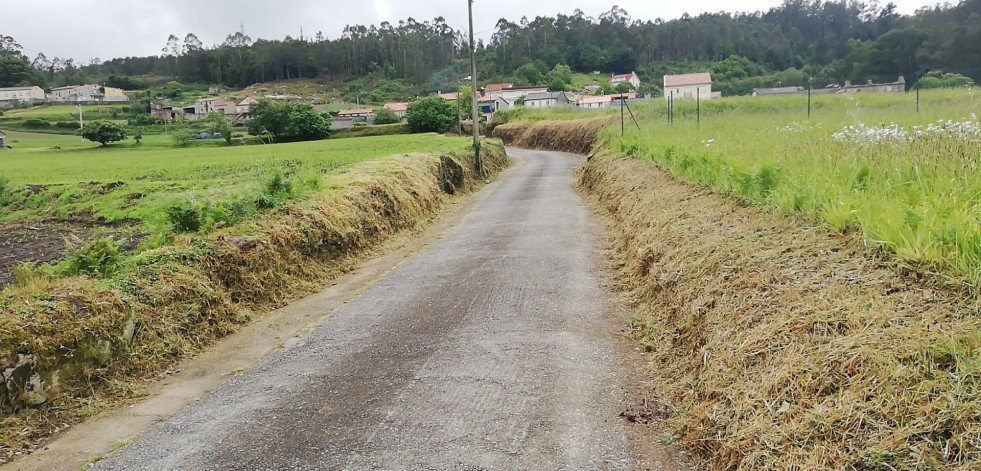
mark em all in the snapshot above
pixel 20 95
pixel 398 109
pixel 489 106
pixel 513 94
pixel 550 99
pixel 689 86
pixel 595 102
pixel 242 107
pixel 630 78
pixel 204 106
pixel 87 93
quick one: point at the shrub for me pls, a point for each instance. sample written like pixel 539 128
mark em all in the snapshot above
pixel 98 258
pixel 432 114
pixel 36 123
pixel 386 116
pixel 145 120
pixel 185 218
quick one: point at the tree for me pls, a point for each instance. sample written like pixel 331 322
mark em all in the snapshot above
pixel 13 71
pixel 432 114
pixel 464 100
pixel 557 85
pixel 103 132
pixel 386 116
pixel 218 124
pixel 180 132
pixel 270 117
pixel 623 87
pixel 305 123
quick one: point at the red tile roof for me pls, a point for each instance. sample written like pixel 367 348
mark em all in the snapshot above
pixel 687 79
pixel 625 77
pixel 396 107
pixel 494 87
pixel 449 96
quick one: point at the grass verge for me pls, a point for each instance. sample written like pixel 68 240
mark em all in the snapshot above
pixel 73 345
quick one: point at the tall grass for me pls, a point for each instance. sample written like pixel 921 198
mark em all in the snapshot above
pixel 916 197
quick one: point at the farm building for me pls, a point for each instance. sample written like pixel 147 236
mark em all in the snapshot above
pixel 242 107
pixel 87 93
pixel 512 94
pixel 550 99
pixel 595 102
pixel 630 78
pixel 489 106
pixel 398 108
pixel 20 95
pixel 365 114
pixel 496 87
pixel 689 86
pixel 775 91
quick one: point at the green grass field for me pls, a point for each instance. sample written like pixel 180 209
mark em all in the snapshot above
pixel 64 112
pixel 124 181
pixel 915 196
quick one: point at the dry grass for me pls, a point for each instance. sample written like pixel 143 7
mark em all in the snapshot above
pixel 94 340
pixel 780 346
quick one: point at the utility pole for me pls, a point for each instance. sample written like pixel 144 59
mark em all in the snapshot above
pixel 81 119
pixel 473 94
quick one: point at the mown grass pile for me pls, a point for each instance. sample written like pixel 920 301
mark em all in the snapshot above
pixel 907 181
pixel 779 346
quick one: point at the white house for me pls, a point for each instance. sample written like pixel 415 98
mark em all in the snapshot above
pixel 204 106
pixel 550 99
pixel 689 86
pixel 12 95
pixel 74 93
pixel 630 78
pixel 242 107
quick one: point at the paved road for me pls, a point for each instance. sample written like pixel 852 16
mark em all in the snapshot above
pixel 491 349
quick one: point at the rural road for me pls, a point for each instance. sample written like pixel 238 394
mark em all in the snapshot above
pixel 491 349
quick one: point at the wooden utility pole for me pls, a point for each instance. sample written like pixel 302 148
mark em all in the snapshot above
pixel 473 94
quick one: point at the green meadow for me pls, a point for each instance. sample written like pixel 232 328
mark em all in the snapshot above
pixel 907 180
pixel 47 176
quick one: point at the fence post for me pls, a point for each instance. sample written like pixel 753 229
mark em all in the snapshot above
pixel 917 99
pixel 810 81
pixel 698 105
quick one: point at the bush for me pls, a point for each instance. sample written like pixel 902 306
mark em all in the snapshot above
pixel 386 116
pixel 432 114
pixel 103 132
pixel 66 125
pixel 185 218
pixel 36 123
pixel 98 258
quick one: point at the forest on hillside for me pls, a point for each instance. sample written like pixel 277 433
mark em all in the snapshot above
pixel 829 41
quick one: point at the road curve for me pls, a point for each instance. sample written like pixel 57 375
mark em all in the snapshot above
pixel 490 349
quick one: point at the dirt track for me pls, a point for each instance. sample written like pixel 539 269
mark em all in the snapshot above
pixel 492 349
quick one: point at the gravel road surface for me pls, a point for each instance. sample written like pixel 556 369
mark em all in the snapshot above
pixel 490 349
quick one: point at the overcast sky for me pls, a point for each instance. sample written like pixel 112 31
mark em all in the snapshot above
pixel 84 29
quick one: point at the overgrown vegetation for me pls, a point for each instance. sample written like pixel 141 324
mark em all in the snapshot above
pixel 432 114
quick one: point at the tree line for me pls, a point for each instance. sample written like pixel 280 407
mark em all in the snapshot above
pixel 831 41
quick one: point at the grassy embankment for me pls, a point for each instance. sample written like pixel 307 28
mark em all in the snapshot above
pixel 270 223
pixel 779 346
